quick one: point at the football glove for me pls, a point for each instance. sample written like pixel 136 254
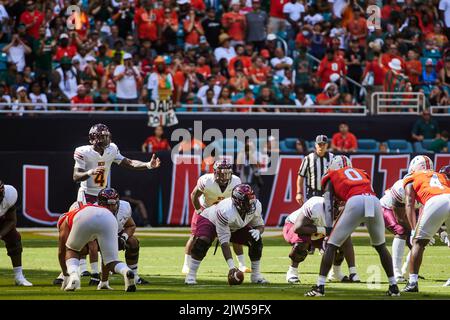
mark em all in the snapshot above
pixel 255 233
pixel 123 238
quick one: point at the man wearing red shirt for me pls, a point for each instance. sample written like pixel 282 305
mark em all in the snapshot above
pixel 357 27
pixel 344 141
pixel 343 183
pixel 32 19
pixel 277 22
pixel 329 97
pixel 235 23
pixel 82 99
pixel 64 49
pixel 156 142
pixel 330 64
pixel 148 21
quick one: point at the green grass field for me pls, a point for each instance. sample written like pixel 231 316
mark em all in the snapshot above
pixel 161 260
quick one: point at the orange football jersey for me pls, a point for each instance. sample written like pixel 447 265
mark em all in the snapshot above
pixel 71 215
pixel 427 184
pixel 348 182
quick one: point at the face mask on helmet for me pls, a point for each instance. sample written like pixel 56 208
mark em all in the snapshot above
pixel 99 136
pixel 109 198
pixel 339 162
pixel 247 206
pixel 223 176
pixel 244 199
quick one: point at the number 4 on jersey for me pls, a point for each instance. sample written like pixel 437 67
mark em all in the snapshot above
pixel 100 179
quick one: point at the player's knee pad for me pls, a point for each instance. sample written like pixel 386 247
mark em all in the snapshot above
pixel 255 250
pixel 339 257
pixel 200 248
pixel 14 248
pixel 298 253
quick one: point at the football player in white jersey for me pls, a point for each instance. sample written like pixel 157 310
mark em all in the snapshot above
pixel 393 206
pixel 92 168
pixel 211 188
pixel 305 227
pixel 87 223
pixel 127 242
pixel 236 219
pixel 8 232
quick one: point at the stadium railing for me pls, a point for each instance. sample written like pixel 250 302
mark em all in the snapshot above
pixel 141 109
pixel 440 110
pixel 390 103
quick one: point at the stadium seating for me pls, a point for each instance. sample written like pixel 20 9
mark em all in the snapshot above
pixel 288 145
pixel 368 145
pixel 399 146
pixel 423 147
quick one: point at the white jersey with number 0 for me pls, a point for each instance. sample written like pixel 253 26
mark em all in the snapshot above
pixel 9 199
pixel 226 218
pixel 212 193
pixel 87 158
pixel 313 209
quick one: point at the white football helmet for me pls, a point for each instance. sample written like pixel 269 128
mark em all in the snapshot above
pixel 420 163
pixel 339 162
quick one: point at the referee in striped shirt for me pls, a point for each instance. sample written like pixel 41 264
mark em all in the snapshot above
pixel 313 168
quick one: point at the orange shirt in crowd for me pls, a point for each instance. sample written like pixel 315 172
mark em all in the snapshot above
pixel 204 70
pixel 246 62
pixel 69 51
pixel 378 71
pixel 245 102
pixel 192 37
pixel 260 73
pixel 276 8
pixel 327 68
pixel 235 23
pixel 147 23
pixel 27 18
pixel 358 28
pixel 387 57
pixel 348 142
pixel 413 65
pixel 157 144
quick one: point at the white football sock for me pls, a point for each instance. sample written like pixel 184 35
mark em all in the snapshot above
pixel 398 249
pixel 413 278
pixel 255 267
pixel 392 281
pixel 83 265
pixel 405 268
pixel 241 259
pixel 352 270
pixel 72 265
pixel 337 272
pixel 193 268
pixel 293 270
pixel 187 259
pixel 321 280
pixel 18 273
pixel 94 267
pixel 121 268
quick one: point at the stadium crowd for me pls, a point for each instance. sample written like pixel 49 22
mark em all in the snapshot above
pixel 228 53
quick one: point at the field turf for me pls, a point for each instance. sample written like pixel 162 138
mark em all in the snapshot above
pixel 162 256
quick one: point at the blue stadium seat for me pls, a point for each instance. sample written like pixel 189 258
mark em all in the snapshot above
pixel 423 147
pixel 399 145
pixel 368 145
pixel 288 145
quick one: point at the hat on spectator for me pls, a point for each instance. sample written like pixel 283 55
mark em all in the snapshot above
pixel 90 58
pixel 321 139
pixel 183 1
pixel 127 56
pixel 429 62
pixel 235 2
pixel 265 53
pixel 395 64
pixel 64 36
pixel 223 37
pixel 271 37
pixel 21 88
pixel 328 85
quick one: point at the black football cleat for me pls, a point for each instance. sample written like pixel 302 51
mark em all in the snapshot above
pixel 85 274
pixel 316 291
pixel 130 284
pixel 95 279
pixel 142 281
pixel 58 282
pixel 411 287
pixel 393 291
pixel 352 278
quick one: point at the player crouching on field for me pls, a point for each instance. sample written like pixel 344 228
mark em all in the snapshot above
pixel 87 223
pixel 345 183
pixel 305 227
pixel 127 242
pixel 237 220
pixel 8 232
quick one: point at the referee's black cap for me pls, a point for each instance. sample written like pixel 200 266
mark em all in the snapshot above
pixel 321 139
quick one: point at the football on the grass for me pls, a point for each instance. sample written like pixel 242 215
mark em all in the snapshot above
pixel 235 277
